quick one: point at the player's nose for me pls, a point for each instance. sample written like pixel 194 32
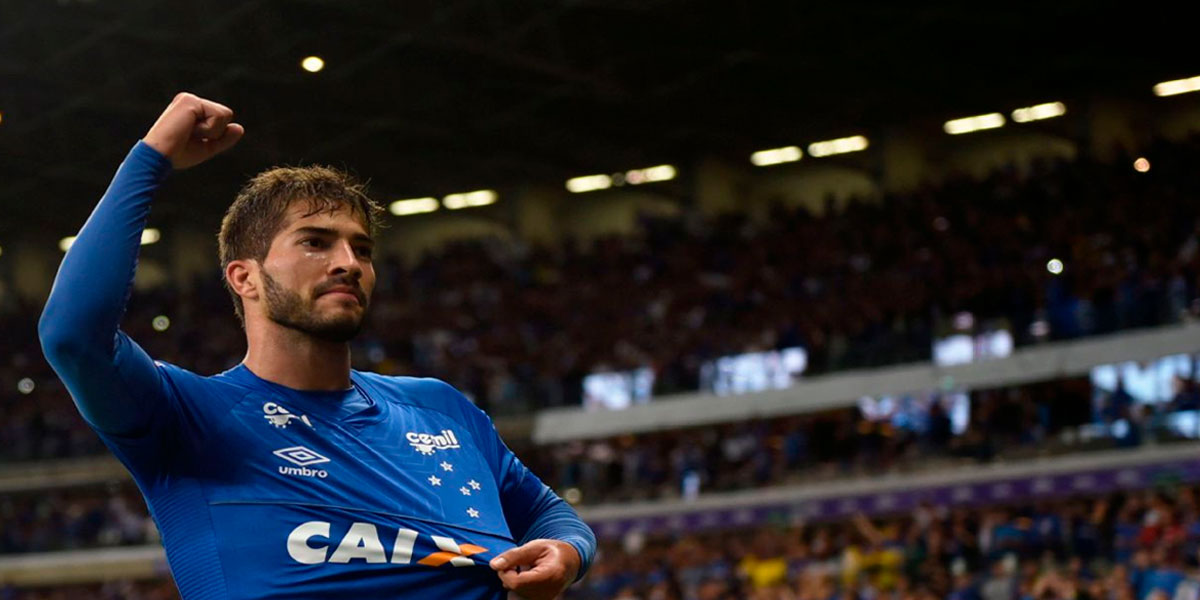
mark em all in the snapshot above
pixel 344 259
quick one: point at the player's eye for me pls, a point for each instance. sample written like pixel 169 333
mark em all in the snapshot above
pixel 365 251
pixel 313 242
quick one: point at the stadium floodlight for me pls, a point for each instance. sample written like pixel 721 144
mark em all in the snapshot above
pixel 149 236
pixel 976 123
pixel 1054 266
pixel 1177 86
pixel 650 174
pixel 1141 165
pixel 469 199
pixel 589 183
pixel 161 323
pixel 853 143
pixel 776 156
pixel 413 206
pixel 1049 110
pixel 312 64
pixel 26 385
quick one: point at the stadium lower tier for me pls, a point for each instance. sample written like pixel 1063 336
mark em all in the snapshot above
pixel 946 431
pixel 905 433
pixel 950 430
pixel 1126 545
pixel 122 589
pixel 1135 545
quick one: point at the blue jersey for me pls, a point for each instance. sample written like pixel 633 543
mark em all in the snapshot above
pixel 393 488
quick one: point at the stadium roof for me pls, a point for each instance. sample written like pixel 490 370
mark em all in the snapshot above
pixel 435 96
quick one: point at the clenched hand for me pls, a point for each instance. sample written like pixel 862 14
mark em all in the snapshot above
pixel 192 130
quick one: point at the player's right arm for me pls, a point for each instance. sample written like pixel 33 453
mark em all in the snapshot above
pixel 113 381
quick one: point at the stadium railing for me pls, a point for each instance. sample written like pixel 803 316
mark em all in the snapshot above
pixel 1027 365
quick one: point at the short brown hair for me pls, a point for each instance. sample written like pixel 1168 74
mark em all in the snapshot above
pixel 257 214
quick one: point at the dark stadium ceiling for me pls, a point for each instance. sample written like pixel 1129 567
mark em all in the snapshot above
pixel 435 96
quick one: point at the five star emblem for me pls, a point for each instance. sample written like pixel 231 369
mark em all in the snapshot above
pixel 447 466
pixel 474 485
pixel 471 512
pixel 433 480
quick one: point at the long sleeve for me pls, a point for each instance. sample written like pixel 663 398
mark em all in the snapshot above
pixel 114 382
pixel 534 511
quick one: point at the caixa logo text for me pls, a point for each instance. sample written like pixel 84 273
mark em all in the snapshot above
pixel 310 544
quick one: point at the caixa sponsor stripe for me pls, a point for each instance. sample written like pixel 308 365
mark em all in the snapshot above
pixel 310 544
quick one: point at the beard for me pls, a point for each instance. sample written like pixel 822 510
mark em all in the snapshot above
pixel 290 310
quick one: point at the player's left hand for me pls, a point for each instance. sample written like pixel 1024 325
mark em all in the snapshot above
pixel 538 570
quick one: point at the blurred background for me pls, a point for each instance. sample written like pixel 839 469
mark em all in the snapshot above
pixel 790 301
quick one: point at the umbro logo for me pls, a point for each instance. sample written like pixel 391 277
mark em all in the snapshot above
pixel 281 417
pixel 426 443
pixel 303 458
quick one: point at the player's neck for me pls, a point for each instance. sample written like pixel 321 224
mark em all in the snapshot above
pixel 297 360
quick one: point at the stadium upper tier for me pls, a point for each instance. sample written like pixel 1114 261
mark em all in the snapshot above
pixel 1069 250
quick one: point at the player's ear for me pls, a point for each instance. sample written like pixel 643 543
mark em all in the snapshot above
pixel 240 275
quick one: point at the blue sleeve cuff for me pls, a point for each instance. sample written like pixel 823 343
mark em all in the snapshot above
pixel 150 159
pixel 584 548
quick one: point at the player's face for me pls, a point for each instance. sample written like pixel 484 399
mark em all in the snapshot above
pixel 318 275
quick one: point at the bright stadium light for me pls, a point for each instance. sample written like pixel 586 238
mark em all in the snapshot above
pixel 853 143
pixel 413 206
pixel 1038 112
pixel 976 123
pixel 1177 86
pixel 1054 266
pixel 312 64
pixel 776 156
pixel 650 174
pixel 26 385
pixel 149 236
pixel 589 183
pixel 1141 165
pixel 161 323
pixel 469 199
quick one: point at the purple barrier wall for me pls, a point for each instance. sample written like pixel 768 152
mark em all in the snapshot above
pixel 1092 481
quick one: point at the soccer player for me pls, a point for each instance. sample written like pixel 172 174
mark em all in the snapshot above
pixel 292 475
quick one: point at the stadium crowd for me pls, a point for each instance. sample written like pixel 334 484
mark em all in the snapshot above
pixel 1007 424
pixel 517 327
pixel 1133 545
pixel 75 518
pixel 114 590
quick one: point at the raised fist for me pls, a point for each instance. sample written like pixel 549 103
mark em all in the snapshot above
pixel 192 130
